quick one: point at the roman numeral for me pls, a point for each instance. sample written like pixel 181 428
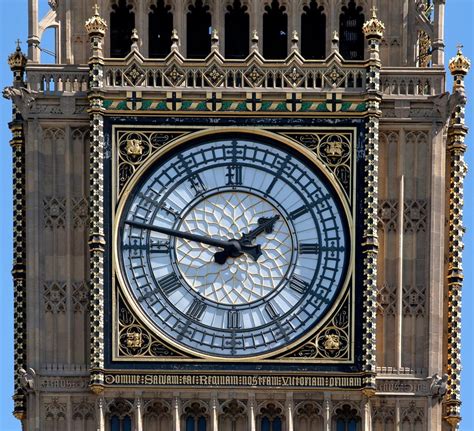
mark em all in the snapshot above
pixel 196 183
pixel 270 309
pixel 196 309
pixel 298 285
pixel 233 319
pixel 169 283
pixel 159 246
pixel 169 210
pixel 299 212
pixel 306 248
pixel 234 175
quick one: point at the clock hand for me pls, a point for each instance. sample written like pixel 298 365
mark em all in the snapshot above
pixel 264 224
pixel 232 248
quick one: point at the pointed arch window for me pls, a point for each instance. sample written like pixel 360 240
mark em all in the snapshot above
pixel 237 30
pixel 271 419
pixel 160 27
pixel 120 424
pixel 199 30
pixel 196 423
pixel 275 31
pixel 313 32
pixel 351 45
pixel 122 22
pixel 271 424
pixel 347 419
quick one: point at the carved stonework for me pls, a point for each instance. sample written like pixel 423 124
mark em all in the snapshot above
pixel 415 216
pixel 55 411
pixel 83 410
pixel 196 409
pixel 157 408
pixel 309 409
pixel 386 299
pixel 383 415
pixel 80 212
pixel 54 212
pixel 80 296
pixel 413 415
pixel 414 301
pixel 120 407
pixel 271 410
pixel 233 409
pixel 54 295
pixel 388 214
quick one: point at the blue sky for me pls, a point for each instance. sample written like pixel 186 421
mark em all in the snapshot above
pixel 13 25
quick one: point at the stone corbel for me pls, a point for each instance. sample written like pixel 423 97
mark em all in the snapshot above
pixel 22 98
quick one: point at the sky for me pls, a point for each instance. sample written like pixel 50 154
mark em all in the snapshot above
pixel 459 28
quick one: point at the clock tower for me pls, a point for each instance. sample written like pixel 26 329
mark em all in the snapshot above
pixel 237 215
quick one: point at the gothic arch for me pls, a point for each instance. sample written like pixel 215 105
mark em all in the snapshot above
pixel 233 415
pixel 120 415
pixel 275 31
pixel 160 27
pixel 270 416
pixel 383 418
pixel 195 416
pixel 122 23
pixel 412 418
pixel 157 415
pixel 346 417
pixel 237 30
pixel 313 31
pixel 199 21
pixel 351 37
pixel 308 416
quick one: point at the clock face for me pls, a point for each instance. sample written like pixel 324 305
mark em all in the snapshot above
pixel 233 247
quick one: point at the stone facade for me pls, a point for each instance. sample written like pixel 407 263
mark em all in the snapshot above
pixel 411 227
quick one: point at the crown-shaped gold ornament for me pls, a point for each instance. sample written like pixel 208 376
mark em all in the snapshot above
pixel 96 24
pixel 373 27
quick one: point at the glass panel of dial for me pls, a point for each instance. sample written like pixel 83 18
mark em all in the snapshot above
pixel 242 307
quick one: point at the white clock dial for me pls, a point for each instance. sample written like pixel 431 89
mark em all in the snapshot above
pixel 239 280
pixel 233 248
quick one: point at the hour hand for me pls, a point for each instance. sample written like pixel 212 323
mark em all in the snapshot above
pixel 265 224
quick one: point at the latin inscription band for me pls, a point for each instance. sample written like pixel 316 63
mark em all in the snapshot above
pixel 233 380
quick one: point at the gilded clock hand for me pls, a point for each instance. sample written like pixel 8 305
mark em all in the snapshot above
pixel 232 248
pixel 264 224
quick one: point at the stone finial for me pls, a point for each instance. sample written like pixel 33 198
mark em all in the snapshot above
pixel 96 24
pixel 17 60
pixel 459 64
pixel 215 40
pixel 254 40
pixel 134 38
pixel 373 28
pixel 335 42
pixel 294 41
pixel 174 40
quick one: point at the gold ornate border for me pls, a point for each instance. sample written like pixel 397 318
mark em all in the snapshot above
pixel 119 202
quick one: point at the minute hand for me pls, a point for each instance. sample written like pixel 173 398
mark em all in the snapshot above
pixel 186 235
